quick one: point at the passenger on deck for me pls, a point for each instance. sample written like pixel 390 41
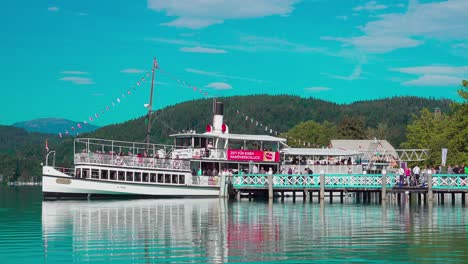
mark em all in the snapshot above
pixel 262 170
pixel 270 171
pixel 254 169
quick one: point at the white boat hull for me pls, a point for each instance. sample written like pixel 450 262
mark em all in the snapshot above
pixel 56 184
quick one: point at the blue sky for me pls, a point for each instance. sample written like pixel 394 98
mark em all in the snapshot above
pixel 71 59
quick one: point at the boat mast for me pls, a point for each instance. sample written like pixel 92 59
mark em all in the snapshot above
pixel 150 106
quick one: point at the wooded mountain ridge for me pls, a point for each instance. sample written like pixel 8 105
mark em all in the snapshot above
pixel 21 152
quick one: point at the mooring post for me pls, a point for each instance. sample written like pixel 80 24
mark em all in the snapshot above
pixel 270 186
pixel 384 185
pixel 222 186
pixel 322 185
pixel 430 195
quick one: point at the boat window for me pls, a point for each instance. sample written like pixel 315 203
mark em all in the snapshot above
pixel 113 175
pixel 145 177
pixel 153 177
pixel 85 173
pixel 181 179
pixel 197 142
pixel 94 174
pixel 129 175
pixel 174 178
pixel 138 176
pixel 167 178
pixel 184 142
pixel 104 174
pixel 160 178
pixel 121 176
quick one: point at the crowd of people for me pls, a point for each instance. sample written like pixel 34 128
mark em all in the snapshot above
pixel 418 177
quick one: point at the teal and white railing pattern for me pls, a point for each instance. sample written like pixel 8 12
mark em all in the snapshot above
pixel 312 181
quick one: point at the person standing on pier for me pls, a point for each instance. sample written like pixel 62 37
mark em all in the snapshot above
pixel 401 172
pixel 416 173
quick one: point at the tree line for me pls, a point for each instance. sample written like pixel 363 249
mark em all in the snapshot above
pixel 302 119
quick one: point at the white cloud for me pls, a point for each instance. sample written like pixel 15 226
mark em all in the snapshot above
pixel 77 80
pixel 200 49
pixel 174 41
pixel 53 8
pixel 344 18
pixel 434 80
pixel 378 44
pixel 434 70
pixel 356 74
pixel 259 43
pixel 250 44
pixel 317 89
pixel 82 14
pixel 460 45
pixel 132 71
pixel 220 75
pixel 195 14
pixel 434 75
pixel 74 72
pixel 370 6
pixel 219 86
pixel 442 21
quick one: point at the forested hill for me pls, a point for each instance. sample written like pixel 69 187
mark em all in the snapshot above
pixel 21 152
pixel 279 113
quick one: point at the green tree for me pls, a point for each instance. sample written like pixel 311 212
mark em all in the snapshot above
pixel 382 131
pixel 351 128
pixel 445 131
pixel 310 134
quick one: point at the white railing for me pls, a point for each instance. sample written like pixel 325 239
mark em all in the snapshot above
pixel 327 169
pixel 131 161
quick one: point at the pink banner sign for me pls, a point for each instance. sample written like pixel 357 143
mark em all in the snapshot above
pixel 252 155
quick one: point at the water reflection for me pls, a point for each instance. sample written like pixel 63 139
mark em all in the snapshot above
pixel 216 231
pixel 136 230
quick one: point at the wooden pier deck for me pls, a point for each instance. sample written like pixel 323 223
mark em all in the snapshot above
pixel 364 187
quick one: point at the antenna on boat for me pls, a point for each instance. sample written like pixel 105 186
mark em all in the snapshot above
pixel 150 105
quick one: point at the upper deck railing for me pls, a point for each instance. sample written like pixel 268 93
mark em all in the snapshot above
pixel 105 159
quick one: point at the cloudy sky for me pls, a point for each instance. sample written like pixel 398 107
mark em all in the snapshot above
pixel 75 59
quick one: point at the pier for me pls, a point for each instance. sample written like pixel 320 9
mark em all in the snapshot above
pixel 365 188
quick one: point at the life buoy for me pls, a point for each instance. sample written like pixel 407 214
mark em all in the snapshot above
pixel 176 164
pixel 118 161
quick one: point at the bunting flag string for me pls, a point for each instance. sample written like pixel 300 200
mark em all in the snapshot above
pixel 100 113
pixel 183 83
pixel 272 131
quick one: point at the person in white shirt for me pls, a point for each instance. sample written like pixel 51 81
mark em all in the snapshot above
pixel 270 171
pixel 255 169
pixel 416 173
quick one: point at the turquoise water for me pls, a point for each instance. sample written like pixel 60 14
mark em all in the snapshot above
pixel 215 231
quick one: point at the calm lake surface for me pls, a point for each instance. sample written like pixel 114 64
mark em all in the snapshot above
pixel 217 231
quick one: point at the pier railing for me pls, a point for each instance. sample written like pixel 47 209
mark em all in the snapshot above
pixel 369 181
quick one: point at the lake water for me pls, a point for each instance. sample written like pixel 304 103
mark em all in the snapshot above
pixel 217 231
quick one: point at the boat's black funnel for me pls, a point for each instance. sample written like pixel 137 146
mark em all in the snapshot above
pixel 219 109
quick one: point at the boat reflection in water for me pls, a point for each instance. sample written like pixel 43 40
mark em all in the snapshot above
pixel 135 230
pixel 215 231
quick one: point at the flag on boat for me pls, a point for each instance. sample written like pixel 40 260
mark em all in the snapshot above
pixel 46 145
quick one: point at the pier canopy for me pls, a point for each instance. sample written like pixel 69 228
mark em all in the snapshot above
pixel 319 152
pixel 328 160
pixel 374 149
